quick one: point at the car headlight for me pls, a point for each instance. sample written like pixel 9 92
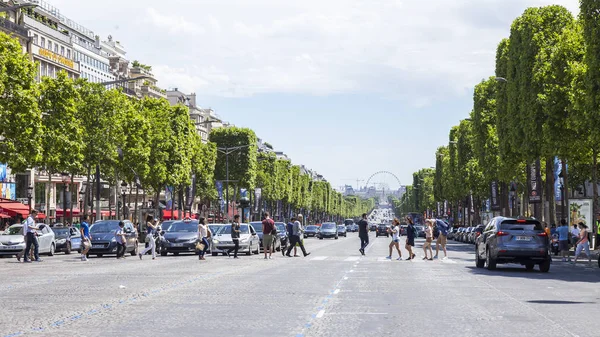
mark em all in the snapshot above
pixel 114 239
pixel 61 241
pixel 215 241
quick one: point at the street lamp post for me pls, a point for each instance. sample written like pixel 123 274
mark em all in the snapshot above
pixel 123 192
pixel 227 151
pixel 29 196
pixel 65 180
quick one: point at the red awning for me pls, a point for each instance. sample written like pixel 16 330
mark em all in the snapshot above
pixel 168 215
pixel 14 208
pixel 59 212
pixel 41 216
pixel 4 216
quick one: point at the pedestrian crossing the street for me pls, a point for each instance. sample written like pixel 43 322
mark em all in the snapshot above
pixel 325 258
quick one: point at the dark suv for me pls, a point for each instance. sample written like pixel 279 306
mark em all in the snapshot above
pixel 104 240
pixel 510 240
pixel 382 230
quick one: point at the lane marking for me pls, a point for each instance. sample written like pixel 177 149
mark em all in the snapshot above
pixel 321 313
pixel 337 291
pixel 345 277
pixel 352 258
pixel 319 258
pixel 357 313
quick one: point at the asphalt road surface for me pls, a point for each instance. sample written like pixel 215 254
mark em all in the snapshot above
pixel 333 292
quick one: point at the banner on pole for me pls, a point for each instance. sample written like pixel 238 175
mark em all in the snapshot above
pixel 257 199
pixel 534 183
pixel 494 199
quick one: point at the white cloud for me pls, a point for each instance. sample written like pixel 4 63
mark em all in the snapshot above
pixel 417 51
pixel 172 23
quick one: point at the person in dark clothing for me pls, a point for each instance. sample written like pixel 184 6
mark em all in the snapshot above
pixel 363 233
pixel 235 236
pixel 410 238
pixel 295 238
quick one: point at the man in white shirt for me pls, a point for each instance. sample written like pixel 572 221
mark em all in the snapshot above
pixel 30 230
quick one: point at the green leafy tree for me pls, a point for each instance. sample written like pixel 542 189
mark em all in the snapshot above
pixel 243 162
pixel 20 117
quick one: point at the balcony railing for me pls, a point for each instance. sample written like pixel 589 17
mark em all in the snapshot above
pixel 13 27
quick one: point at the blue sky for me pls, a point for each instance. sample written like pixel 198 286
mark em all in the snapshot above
pixel 345 87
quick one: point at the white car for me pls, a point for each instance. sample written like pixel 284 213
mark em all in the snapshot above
pixel 12 241
pixel 249 240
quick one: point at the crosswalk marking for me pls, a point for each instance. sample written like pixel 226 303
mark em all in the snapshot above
pixel 352 258
pixel 319 258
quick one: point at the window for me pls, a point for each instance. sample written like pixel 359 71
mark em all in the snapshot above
pixel 44 71
pixel 35 39
pixel 56 48
pixel 68 53
pixel 62 50
pixel 49 45
pixel 43 42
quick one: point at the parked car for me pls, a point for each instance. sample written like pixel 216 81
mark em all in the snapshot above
pixel 420 231
pixel 328 230
pixel 258 228
pixel 12 240
pixel 477 230
pixel 104 240
pixel 513 240
pixel 382 230
pixel 403 229
pixel 249 241
pixel 180 237
pixel 452 233
pixel 311 231
pixel 341 229
pixel 67 239
pixel 372 227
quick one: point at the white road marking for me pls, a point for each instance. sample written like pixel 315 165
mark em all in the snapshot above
pixel 346 277
pixel 320 313
pixel 337 291
pixel 319 258
pixel 357 313
pixel 352 258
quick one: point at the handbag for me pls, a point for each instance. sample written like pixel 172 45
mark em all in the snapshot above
pixel 200 246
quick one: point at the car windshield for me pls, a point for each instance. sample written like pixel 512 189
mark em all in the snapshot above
pixel 184 226
pixel 280 227
pixel 348 222
pixel 215 228
pixel 13 230
pixel 104 226
pixel 165 225
pixel 61 233
pixel 257 226
pixel 521 225
pixel 341 227
pixel 227 229
pixel 328 226
pixel 311 228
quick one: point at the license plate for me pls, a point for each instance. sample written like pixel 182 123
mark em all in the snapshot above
pixel 97 246
pixel 10 247
pixel 523 238
pixel 178 245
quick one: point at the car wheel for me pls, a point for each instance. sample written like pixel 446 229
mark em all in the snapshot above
pixel 545 266
pixel 257 251
pixel 479 263
pixel 52 248
pixel 176 253
pixel 249 252
pixel 164 253
pixel 68 248
pixel 215 254
pixel 336 237
pixel 320 238
pixel 529 266
pixel 135 250
pixel 491 263
pixel 99 255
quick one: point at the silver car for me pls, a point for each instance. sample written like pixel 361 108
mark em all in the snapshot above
pixel 249 240
pixel 13 242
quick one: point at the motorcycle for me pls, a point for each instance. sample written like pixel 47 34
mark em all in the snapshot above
pixel 554 247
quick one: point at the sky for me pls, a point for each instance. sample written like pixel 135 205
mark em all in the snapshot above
pixel 347 88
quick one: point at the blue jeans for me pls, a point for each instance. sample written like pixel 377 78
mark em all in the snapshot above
pixel 205 242
pixel 32 240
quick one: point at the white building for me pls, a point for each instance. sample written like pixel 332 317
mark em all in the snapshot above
pixel 204 119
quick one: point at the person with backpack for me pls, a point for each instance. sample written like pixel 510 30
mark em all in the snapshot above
pixel 442 239
pixel 411 234
pixel 290 231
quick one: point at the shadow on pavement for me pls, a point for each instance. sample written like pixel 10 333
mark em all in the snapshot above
pixel 561 274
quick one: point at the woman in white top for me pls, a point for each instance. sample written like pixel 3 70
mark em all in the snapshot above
pixel 203 235
pixel 151 230
pixel 428 239
pixel 395 231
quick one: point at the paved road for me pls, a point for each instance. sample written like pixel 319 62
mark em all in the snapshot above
pixel 333 292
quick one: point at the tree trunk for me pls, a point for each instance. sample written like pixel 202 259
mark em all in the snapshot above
pixel 594 187
pixel 87 193
pixel 550 190
pixel 71 194
pixel 565 193
pixel 48 194
pixel 157 205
